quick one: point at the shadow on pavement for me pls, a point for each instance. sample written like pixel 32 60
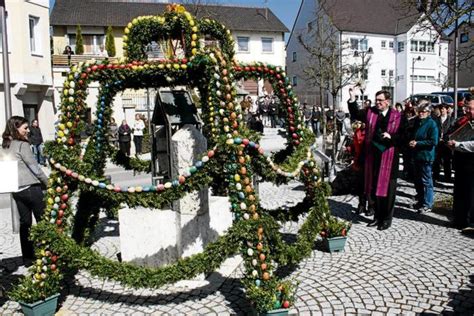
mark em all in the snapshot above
pixel 402 211
pixel 230 288
pixel 459 301
pixel 8 276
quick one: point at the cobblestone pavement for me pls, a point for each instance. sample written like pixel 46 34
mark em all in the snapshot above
pixel 419 265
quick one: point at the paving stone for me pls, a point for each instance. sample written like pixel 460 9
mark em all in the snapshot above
pixel 411 268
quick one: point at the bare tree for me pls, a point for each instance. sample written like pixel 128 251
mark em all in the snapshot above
pixel 444 15
pixel 328 67
pixel 199 7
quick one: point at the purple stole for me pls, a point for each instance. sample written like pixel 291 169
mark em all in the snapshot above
pixel 387 156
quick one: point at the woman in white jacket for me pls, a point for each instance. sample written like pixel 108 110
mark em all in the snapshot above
pixel 138 128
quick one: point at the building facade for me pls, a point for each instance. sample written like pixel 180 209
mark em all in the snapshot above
pixel 29 64
pixel 465 56
pixel 258 35
pixel 391 49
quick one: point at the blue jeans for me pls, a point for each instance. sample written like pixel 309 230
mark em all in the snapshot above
pixel 38 153
pixel 316 128
pixel 424 183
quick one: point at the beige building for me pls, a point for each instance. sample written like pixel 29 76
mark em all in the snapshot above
pixel 258 35
pixel 30 64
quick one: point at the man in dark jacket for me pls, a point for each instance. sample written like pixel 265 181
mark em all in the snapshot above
pixel 443 152
pixel 424 143
pixel 36 141
pixel 462 142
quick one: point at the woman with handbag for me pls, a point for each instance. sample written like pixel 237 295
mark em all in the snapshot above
pixel 31 181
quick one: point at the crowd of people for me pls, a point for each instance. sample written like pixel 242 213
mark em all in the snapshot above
pixel 429 139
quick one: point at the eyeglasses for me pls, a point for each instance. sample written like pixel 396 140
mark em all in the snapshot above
pixel 379 100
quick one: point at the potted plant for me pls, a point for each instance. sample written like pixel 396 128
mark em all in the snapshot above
pixel 35 296
pixel 277 304
pixel 334 233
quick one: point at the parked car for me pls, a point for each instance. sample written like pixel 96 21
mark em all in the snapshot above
pixel 461 95
pixel 436 99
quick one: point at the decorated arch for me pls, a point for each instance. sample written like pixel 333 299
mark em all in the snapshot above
pixel 234 157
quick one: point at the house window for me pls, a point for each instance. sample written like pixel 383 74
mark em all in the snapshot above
pixel 30 112
pixel 294 57
pixel 390 44
pixel 390 73
pixel 401 46
pixel 243 44
pixel 91 42
pixel 34 34
pixel 383 44
pixel 430 47
pixel 359 44
pixel 267 44
pixel 354 43
pixel 383 73
pixel 294 81
pixel 364 74
pixel 422 46
pixel 363 44
pixel 464 37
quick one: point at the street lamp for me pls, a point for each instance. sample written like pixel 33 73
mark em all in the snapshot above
pixel 365 58
pixel 413 60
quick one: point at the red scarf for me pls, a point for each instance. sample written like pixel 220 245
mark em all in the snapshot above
pixel 387 156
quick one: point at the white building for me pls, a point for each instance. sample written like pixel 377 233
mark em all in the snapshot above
pixel 398 54
pixel 29 63
pixel 258 35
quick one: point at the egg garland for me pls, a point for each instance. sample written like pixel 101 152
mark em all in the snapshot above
pixel 180 179
pixel 223 127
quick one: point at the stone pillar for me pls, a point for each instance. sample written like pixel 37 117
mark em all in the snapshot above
pixel 158 237
pixel 187 146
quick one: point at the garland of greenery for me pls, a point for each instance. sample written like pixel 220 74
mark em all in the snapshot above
pixel 229 169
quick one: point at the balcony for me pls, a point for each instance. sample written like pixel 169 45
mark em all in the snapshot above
pixel 137 99
pixel 63 60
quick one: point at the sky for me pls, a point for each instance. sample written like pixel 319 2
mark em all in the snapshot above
pixel 285 10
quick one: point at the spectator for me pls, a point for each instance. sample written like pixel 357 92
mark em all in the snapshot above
pixel 423 144
pixel 383 137
pixel 264 108
pixel 340 117
pixel 399 107
pixel 273 112
pixel 352 106
pixel 245 105
pixel 138 128
pixel 316 115
pixel 444 154
pixel 463 208
pixel 367 104
pixel 254 107
pixel 68 50
pixel 113 132
pixel 357 166
pixel 103 51
pixel 36 140
pixel 307 113
pixel 410 116
pixel 125 138
pixel 256 123
pixel 31 180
